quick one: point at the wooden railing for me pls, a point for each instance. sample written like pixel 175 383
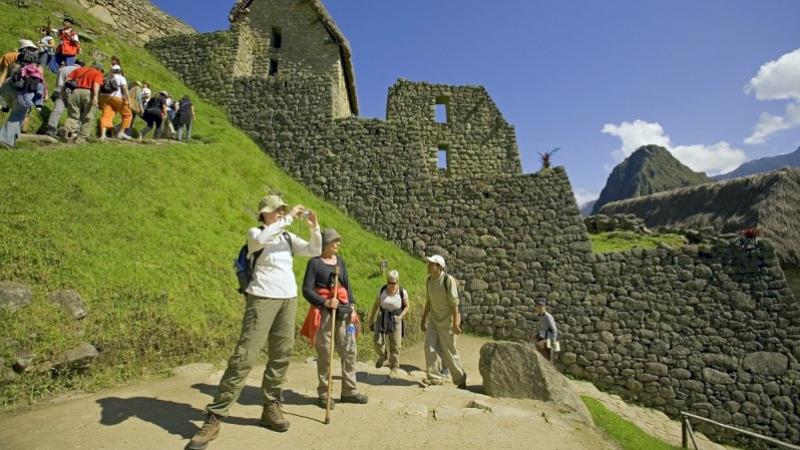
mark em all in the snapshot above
pixel 687 432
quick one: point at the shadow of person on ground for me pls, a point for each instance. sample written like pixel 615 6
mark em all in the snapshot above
pixel 383 380
pixel 171 416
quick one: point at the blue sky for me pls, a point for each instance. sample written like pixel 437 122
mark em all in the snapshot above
pixel 595 78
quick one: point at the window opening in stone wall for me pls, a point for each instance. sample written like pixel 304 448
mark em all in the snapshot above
pixel 276 41
pixel 443 158
pixel 442 109
pixel 273 67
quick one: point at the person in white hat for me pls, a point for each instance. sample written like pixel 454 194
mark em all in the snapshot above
pixel 269 316
pixel 115 102
pixel 441 322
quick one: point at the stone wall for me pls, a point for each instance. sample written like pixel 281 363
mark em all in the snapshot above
pixel 513 238
pixel 709 329
pixel 138 19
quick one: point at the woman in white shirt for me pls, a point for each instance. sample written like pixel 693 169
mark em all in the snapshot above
pixel 269 316
pixel 392 303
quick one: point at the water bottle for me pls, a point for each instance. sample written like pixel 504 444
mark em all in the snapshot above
pixel 350 339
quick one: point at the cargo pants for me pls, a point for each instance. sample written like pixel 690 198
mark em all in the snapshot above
pixel 266 321
pixel 322 343
pixel 440 350
pixel 388 345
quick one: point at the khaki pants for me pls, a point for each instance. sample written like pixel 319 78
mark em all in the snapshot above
pixel 322 342
pixel 80 112
pixel 388 345
pixel 442 342
pixel 269 321
pixel 111 106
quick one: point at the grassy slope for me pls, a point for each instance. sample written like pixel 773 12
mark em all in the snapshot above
pixel 626 434
pixel 147 234
pixel 617 241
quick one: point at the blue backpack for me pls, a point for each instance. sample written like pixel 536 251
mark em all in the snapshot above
pixel 245 266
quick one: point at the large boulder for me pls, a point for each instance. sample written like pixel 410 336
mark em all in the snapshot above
pixel 76 359
pixel 516 370
pixel 71 302
pixel 14 296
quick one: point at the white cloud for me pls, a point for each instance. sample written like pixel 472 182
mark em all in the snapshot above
pixel 777 80
pixel 713 159
pixel 768 124
pixel 583 196
pixel 635 135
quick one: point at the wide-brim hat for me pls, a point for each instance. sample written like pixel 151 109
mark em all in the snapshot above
pixel 26 43
pixel 270 203
pixel 329 235
pixel 437 259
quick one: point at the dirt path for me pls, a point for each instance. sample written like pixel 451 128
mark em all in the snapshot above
pixel 164 414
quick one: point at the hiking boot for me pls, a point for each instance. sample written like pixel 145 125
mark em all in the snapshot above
pixel 272 417
pixel 463 384
pixel 432 381
pixel 52 132
pixel 323 403
pixel 379 362
pixel 208 433
pixel 393 374
pixel 359 399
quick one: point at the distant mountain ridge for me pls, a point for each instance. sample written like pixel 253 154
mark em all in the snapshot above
pixel 766 164
pixel 648 170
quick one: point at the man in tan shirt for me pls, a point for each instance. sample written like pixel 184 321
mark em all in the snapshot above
pixel 441 322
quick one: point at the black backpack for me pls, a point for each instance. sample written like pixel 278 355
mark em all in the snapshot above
pixel 245 266
pixel 109 85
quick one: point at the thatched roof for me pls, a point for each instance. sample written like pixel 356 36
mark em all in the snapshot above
pixel 770 201
pixel 344 48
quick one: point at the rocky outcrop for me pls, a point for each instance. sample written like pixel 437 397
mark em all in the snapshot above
pixel 14 296
pixel 516 370
pixel 137 19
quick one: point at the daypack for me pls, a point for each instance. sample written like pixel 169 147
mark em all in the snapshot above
pixel 110 84
pixel 245 266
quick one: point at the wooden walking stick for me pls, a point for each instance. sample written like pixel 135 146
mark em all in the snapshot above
pixel 333 344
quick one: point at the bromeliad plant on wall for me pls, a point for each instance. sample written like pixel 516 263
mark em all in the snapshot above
pixel 546 157
pixel 748 239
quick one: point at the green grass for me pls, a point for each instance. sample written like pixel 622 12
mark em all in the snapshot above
pixel 147 234
pixel 618 241
pixel 623 432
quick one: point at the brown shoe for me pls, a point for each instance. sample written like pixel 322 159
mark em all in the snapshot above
pixel 208 433
pixel 272 417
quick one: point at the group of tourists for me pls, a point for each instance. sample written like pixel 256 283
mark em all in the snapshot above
pixel 80 91
pixel 332 321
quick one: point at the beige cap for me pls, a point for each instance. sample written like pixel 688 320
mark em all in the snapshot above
pixel 270 203
pixel 26 43
pixel 437 259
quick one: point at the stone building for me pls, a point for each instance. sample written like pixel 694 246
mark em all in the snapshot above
pixel 442 174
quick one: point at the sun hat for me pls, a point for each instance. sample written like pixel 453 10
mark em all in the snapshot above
pixel 116 68
pixel 541 302
pixel 437 259
pixel 329 235
pixel 26 43
pixel 270 203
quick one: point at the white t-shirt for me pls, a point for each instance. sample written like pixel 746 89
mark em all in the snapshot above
pixel 394 302
pixel 121 81
pixel 273 276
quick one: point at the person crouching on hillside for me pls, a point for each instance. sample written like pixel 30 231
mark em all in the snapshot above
pixel 269 316
pixel 547 332
pixel 318 289
pixel 392 302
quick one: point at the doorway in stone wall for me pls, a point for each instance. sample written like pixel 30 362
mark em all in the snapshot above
pixel 793 279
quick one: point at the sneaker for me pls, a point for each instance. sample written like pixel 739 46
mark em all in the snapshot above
pixel 272 417
pixel 379 362
pixel 123 136
pixel 323 403
pixel 359 399
pixel 208 433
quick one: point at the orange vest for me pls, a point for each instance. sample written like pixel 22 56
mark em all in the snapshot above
pixel 68 47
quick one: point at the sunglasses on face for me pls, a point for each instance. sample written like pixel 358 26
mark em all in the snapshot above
pixel 391 282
